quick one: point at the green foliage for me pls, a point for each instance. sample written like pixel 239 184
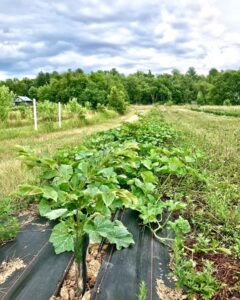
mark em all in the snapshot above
pixel 6 98
pixel 201 282
pixel 33 92
pixel 76 109
pixel 227 102
pixel 117 100
pixel 142 291
pixel 136 166
pixel 218 111
pixel 138 88
pixel 116 168
pixel 47 111
pixel 8 224
pixel 115 232
pixel 73 105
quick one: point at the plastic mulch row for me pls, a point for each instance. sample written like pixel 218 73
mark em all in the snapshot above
pixel 44 270
pixel 122 271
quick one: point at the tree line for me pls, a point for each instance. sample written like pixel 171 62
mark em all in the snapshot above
pixel 104 87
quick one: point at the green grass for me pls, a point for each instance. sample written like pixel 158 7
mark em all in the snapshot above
pixel 218 138
pixel 213 210
pixel 228 111
pixel 45 127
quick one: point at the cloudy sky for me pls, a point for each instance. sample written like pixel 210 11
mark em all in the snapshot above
pixel 129 35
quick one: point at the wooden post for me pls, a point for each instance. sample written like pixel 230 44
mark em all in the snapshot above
pixel 35 114
pixel 59 115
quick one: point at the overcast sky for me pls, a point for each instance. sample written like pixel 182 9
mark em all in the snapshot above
pixel 129 35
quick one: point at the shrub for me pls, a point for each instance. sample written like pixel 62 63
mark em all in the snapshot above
pixel 117 100
pixel 227 102
pixel 169 103
pixel 73 105
pixel 100 107
pixel 47 110
pixel 6 97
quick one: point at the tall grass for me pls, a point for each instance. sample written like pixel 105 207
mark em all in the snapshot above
pixel 218 140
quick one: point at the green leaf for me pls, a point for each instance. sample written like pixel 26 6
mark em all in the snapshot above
pixel 107 172
pixel 189 159
pixel 108 197
pixel 180 226
pixel 65 172
pixel 49 174
pixel 148 177
pixel 115 232
pixel 127 197
pixel 62 238
pixel 175 205
pixel 147 164
pixel 120 236
pixel 50 193
pixel 29 190
pixel 44 207
pixel 56 213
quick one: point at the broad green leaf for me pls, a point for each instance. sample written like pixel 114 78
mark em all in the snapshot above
pixel 107 172
pixel 127 197
pixel 50 193
pixel 115 232
pixel 108 197
pixel 65 172
pixel 92 192
pixel 49 174
pixel 147 164
pixel 29 190
pixel 56 213
pixel 102 208
pixel 148 176
pixel 62 238
pixel 44 207
pixel 120 236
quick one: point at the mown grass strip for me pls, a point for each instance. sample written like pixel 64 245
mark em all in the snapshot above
pixel 235 114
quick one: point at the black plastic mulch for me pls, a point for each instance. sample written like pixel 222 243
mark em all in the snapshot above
pixel 122 271
pixel 44 270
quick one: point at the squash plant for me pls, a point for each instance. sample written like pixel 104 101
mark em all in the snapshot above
pixel 124 167
pixel 83 196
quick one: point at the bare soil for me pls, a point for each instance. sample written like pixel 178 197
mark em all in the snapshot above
pixel 166 293
pixel 7 268
pixel 68 289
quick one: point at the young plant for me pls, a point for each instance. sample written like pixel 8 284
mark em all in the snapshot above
pixel 142 291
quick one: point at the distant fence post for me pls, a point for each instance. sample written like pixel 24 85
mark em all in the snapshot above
pixel 35 114
pixel 59 115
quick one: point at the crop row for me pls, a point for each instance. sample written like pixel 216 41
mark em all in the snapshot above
pixel 129 167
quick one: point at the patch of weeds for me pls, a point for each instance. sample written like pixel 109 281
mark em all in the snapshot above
pixel 8 224
pixel 197 282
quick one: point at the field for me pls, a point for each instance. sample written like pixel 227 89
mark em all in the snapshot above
pixel 177 167
pixel 228 111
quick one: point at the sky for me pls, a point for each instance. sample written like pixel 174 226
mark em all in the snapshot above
pixel 161 35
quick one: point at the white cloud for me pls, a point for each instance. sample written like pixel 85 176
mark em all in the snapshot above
pixel 136 35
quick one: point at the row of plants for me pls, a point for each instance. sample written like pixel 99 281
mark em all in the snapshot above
pixel 219 111
pixel 138 166
pixel 47 112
